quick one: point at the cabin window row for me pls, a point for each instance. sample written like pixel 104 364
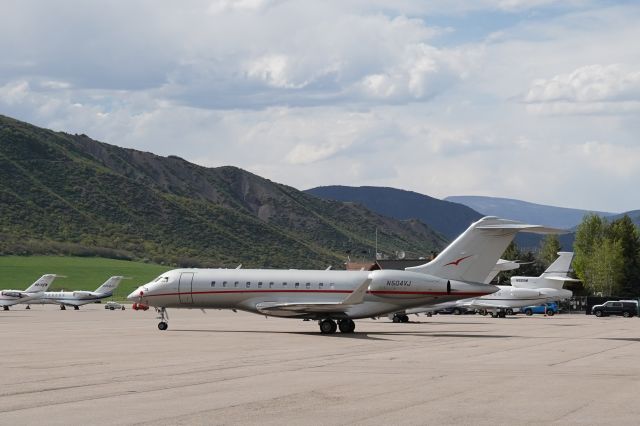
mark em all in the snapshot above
pixel 272 284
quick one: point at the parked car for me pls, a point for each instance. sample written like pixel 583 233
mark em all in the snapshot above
pixel 626 308
pixel 113 306
pixel 551 309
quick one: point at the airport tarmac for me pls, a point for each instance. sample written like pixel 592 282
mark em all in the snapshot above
pixel 96 366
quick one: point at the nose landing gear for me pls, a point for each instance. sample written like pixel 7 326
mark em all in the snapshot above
pixel 163 317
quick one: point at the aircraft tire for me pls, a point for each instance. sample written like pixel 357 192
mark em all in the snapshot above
pixel 63 308
pixel 6 308
pixel 328 326
pixel 346 326
pixel 28 307
pixel 76 308
pixel 396 318
pixel 404 318
pixel 162 326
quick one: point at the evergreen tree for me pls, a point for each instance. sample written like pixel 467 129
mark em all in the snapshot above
pixel 625 232
pixel 549 250
pixel 589 235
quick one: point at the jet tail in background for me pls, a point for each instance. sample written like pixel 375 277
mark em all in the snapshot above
pixel 501 266
pixel 110 285
pixel 472 256
pixel 560 267
pixel 42 283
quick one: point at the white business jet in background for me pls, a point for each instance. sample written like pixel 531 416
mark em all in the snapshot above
pixel 523 291
pixel 77 298
pixel 35 290
pixel 457 306
pixel 458 272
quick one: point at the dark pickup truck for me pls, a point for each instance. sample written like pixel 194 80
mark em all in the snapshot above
pixel 624 308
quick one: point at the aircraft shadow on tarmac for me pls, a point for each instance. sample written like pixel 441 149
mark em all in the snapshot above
pixel 359 335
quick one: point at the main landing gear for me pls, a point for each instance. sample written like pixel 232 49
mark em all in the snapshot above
pixel 163 317
pixel 63 308
pixel 400 318
pixel 328 326
pixel 76 307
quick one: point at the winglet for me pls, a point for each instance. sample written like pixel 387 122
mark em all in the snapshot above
pixel 357 296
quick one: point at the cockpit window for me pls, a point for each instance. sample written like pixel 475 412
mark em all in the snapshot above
pixel 161 279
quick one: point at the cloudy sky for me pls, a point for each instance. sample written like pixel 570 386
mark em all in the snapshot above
pixel 537 100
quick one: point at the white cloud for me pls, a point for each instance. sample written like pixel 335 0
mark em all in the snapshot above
pixel 593 84
pixel 411 94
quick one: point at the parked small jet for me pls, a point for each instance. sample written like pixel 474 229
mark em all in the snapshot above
pixel 457 272
pixel 523 291
pixel 35 290
pixel 77 298
pixel 457 306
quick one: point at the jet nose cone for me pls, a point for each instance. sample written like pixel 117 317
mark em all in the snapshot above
pixel 135 295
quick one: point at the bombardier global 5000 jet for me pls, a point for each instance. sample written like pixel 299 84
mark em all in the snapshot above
pixel 458 272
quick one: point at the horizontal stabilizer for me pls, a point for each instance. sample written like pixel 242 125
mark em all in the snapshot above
pixel 563 279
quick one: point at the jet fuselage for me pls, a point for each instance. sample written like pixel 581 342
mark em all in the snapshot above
pixel 249 289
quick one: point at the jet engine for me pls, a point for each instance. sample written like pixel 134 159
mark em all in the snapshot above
pixel 406 285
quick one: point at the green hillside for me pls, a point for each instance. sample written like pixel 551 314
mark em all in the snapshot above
pixel 71 195
pixel 81 273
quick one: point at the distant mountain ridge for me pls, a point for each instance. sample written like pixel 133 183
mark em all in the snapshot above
pixel 60 191
pixel 524 211
pixel 448 218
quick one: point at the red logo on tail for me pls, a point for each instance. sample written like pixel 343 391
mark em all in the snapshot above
pixel 457 261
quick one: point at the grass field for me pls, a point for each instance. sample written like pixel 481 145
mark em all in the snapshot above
pixel 82 273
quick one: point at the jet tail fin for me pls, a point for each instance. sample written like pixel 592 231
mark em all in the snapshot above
pixel 110 285
pixel 473 255
pixel 42 283
pixel 560 267
pixel 502 265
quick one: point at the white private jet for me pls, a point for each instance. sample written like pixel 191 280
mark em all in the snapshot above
pixel 457 306
pixel 77 298
pixel 456 273
pixel 35 290
pixel 523 291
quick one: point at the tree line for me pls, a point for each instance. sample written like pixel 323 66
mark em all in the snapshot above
pixel 607 257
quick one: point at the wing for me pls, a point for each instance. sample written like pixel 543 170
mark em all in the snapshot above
pixel 479 303
pixel 297 308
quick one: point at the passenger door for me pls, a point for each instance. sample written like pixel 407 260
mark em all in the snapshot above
pixel 185 287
